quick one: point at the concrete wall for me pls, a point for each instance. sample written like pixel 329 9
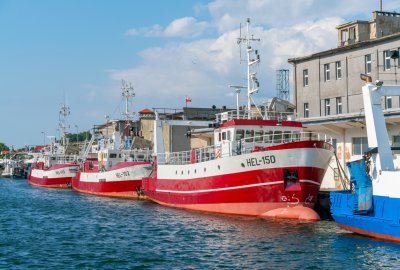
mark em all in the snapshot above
pixel 349 86
pixel 386 23
pixel 147 127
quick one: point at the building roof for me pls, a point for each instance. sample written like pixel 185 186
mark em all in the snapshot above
pixel 146 110
pixel 344 48
pixel 351 23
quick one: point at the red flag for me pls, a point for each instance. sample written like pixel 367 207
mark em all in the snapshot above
pixel 188 99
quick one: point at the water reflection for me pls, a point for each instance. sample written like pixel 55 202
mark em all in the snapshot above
pixel 50 228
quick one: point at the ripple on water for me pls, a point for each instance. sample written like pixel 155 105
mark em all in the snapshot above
pixel 61 229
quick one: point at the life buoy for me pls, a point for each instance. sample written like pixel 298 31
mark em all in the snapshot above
pixel 217 153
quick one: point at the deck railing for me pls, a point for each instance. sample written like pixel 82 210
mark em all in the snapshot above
pixel 254 114
pixel 238 147
pixel 137 155
pixel 63 159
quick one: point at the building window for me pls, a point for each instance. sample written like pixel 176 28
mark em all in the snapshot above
pixel 386 60
pixel 327 72
pixel 396 143
pixel 360 145
pixel 305 77
pixel 339 105
pixel 334 144
pixel 338 65
pixel 388 102
pixel 306 110
pixel 368 64
pixel 344 36
pixel 352 35
pixel 327 106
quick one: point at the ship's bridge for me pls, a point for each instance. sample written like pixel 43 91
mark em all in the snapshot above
pixel 234 129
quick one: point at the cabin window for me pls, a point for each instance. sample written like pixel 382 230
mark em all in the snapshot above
pixel 219 136
pixel 268 136
pixel 259 136
pixel 113 155
pixel 223 135
pixel 249 136
pixel 296 136
pixel 277 136
pixel 239 134
pixel 287 136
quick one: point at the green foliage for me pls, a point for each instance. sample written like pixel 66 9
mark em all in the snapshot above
pixel 3 147
pixel 82 136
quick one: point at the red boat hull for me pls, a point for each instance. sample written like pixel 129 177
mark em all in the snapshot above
pixel 250 189
pixel 122 181
pixel 57 176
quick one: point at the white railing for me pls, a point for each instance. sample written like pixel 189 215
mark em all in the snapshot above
pixel 238 147
pixel 86 148
pixel 137 155
pixel 254 114
pixel 63 159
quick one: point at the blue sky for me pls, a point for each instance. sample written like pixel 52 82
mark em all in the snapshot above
pixel 167 49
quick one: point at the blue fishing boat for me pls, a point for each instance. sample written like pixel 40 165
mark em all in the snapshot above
pixel 372 205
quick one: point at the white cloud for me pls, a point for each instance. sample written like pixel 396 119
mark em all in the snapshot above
pixel 227 14
pixel 204 68
pixel 187 26
pixel 182 27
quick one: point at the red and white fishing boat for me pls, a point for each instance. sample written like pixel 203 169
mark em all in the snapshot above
pixel 261 164
pixel 55 168
pixel 117 169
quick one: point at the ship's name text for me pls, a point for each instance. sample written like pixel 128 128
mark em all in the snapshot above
pixel 122 174
pixel 253 162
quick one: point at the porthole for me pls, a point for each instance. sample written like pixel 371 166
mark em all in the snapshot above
pixel 204 169
pixel 188 172
pixel 176 172
pixel 195 171
pixel 219 167
pixel 182 172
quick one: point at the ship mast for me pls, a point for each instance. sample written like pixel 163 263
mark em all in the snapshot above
pixel 63 113
pixel 127 93
pixel 252 81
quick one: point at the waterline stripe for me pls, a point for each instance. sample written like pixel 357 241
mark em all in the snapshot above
pixel 219 189
pixel 310 181
pixel 230 188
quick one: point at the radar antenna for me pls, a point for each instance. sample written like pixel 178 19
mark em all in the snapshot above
pixel 253 58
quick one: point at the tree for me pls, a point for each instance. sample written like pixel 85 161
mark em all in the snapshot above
pixel 3 147
pixel 82 136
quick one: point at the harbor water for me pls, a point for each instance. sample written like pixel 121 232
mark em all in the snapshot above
pixel 61 229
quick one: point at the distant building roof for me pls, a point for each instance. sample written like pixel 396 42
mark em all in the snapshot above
pixel 146 110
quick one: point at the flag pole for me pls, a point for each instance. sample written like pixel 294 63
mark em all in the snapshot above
pixel 186 100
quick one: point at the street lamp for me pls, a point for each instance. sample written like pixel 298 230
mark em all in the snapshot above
pixel 76 134
pixel 44 138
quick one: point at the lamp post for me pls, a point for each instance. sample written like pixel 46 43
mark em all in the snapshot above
pixel 76 134
pixel 44 138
